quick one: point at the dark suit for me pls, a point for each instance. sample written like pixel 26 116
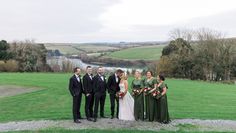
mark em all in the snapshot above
pixel 113 88
pixel 88 89
pixel 76 90
pixel 99 94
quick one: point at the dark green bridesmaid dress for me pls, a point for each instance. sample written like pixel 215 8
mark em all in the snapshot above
pixel 150 101
pixel 137 84
pixel 163 114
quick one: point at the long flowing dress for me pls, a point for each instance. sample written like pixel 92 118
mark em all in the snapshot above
pixel 126 105
pixel 150 101
pixel 163 114
pixel 137 86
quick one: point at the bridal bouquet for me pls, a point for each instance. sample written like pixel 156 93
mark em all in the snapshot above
pixel 120 94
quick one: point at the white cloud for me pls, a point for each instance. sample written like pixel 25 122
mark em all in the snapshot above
pixel 111 20
pixel 162 12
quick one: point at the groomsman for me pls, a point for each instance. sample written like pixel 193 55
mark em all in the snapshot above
pixel 99 88
pixel 89 95
pixel 113 88
pixel 76 90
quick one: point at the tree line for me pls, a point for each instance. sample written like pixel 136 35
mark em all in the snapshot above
pixel 201 54
pixel 23 56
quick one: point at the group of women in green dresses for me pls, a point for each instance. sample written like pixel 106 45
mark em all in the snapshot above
pixel 150 100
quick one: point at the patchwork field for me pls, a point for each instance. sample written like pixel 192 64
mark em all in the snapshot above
pixel 66 49
pixel 139 53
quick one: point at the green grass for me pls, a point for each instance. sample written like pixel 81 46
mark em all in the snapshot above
pixel 139 53
pixel 186 99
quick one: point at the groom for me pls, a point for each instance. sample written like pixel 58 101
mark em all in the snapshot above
pixel 113 88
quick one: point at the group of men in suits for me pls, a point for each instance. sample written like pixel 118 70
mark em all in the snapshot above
pixel 94 88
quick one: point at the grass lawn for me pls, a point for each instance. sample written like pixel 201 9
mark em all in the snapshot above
pixel 139 53
pixel 186 99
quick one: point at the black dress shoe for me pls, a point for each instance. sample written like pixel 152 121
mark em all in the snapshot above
pixel 95 119
pixel 103 117
pixel 89 119
pixel 81 118
pixel 112 117
pixel 77 121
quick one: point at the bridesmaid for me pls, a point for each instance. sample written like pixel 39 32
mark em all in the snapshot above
pixel 151 107
pixel 137 89
pixel 163 114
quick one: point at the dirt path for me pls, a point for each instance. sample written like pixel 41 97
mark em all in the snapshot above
pixel 175 125
pixel 11 90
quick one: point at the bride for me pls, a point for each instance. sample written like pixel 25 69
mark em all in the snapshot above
pixel 126 103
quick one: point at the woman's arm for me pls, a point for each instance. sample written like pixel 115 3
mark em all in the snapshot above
pixel 164 91
pixel 132 83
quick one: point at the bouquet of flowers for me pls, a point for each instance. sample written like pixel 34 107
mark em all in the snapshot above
pixel 156 94
pixel 136 92
pixel 146 90
pixel 120 94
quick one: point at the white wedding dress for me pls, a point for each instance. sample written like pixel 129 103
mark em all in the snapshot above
pixel 126 105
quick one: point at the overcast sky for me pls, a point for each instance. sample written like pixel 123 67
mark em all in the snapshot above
pixel 80 21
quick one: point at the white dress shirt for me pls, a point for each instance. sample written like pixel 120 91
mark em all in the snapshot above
pixel 77 77
pixel 116 78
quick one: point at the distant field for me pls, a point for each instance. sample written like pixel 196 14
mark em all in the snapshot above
pixel 91 49
pixel 64 49
pixel 186 98
pixel 95 48
pixel 132 53
pixel 137 53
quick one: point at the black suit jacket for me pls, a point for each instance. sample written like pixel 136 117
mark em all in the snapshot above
pixel 99 85
pixel 75 86
pixel 113 86
pixel 87 84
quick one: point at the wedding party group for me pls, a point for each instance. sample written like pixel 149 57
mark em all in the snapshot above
pixel 146 102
